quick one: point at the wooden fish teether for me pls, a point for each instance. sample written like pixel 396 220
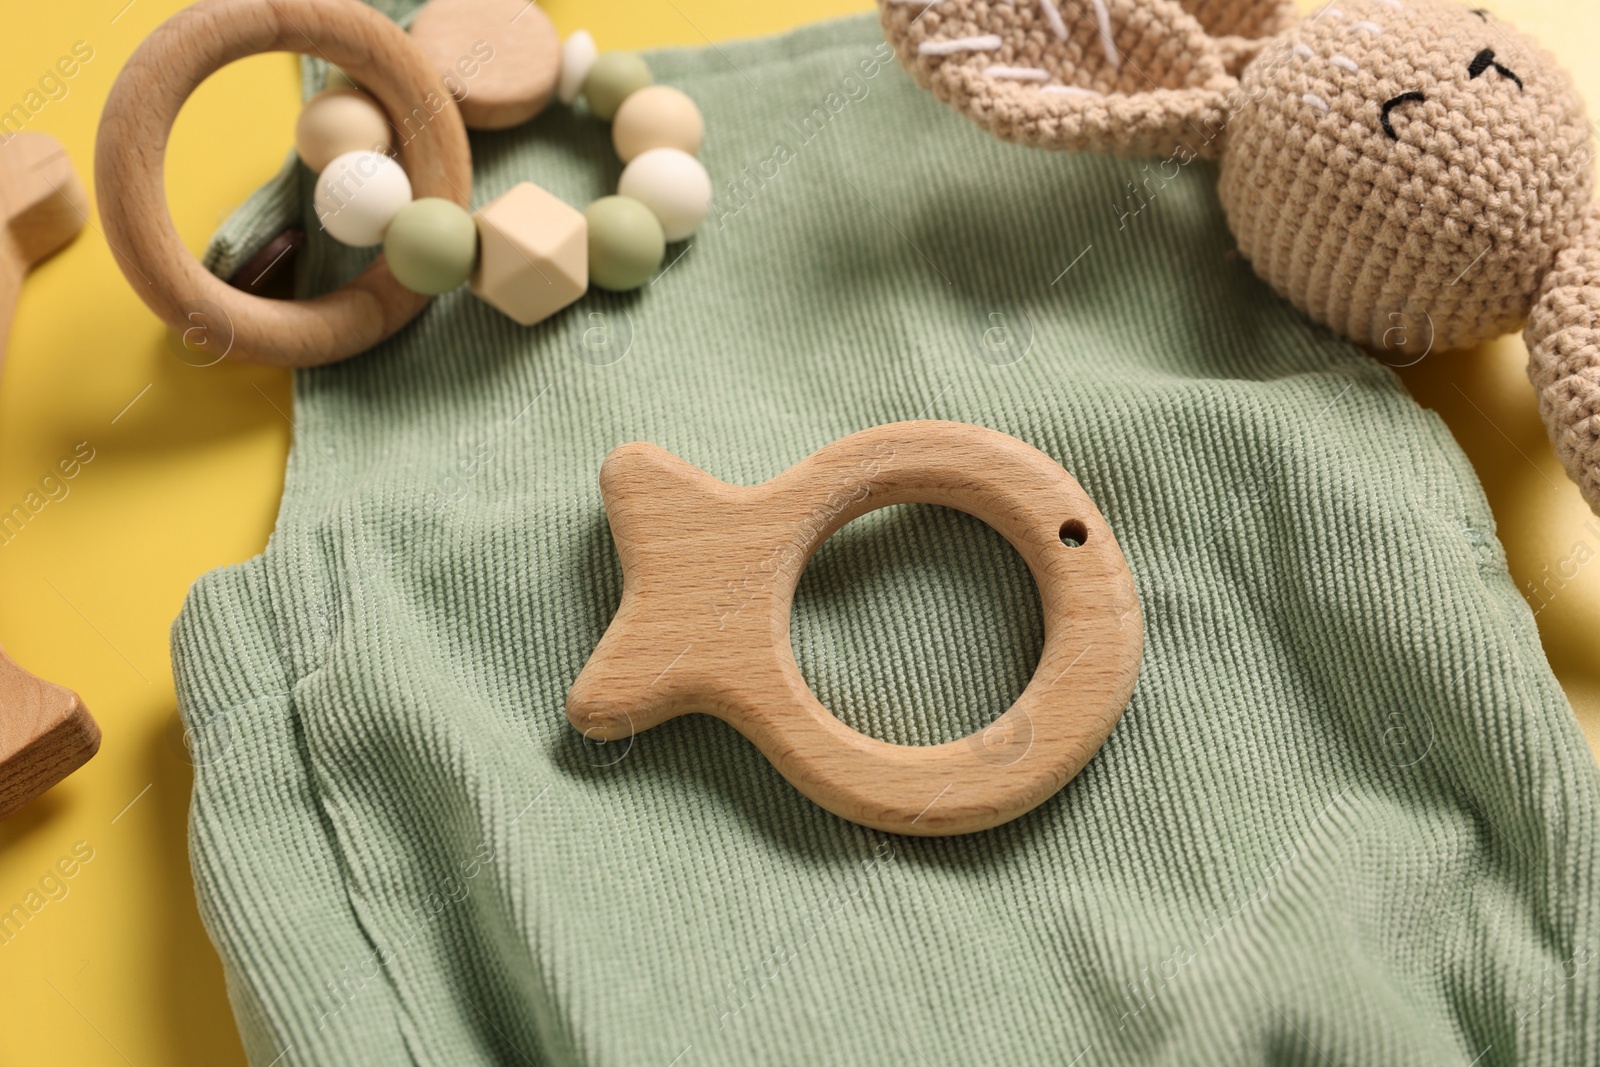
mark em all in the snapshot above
pixel 709 575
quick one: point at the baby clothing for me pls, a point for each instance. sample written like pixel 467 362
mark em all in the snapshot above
pixel 1347 817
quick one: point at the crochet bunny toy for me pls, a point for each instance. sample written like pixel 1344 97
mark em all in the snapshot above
pixel 1413 174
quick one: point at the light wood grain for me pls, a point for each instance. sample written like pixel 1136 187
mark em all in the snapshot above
pixel 131 150
pixel 501 58
pixel 709 574
pixel 45 731
pixel 42 206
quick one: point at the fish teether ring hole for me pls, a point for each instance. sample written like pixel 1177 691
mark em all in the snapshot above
pixel 1074 533
pixel 144 103
pixel 918 624
pixel 678 644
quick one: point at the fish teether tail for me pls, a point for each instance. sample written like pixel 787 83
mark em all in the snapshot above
pixel 667 519
pixel 709 574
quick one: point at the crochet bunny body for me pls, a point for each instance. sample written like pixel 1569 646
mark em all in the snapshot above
pixel 1414 174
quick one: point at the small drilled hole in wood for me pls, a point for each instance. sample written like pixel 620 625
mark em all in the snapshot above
pixel 1074 534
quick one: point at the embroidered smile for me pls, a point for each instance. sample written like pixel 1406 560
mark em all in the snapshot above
pixel 1480 63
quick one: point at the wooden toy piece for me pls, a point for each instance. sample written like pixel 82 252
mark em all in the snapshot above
pixel 42 206
pixel 45 731
pixel 709 574
pixel 131 147
pixel 533 254
pixel 501 58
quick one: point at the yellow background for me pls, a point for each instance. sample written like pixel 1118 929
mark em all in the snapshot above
pixel 188 478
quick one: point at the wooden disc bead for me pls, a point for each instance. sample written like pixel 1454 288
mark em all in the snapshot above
pixel 500 59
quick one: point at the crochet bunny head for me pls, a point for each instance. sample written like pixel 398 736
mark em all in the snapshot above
pixel 1413 174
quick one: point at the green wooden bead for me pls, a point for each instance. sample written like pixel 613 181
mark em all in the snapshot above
pixel 626 243
pixel 431 245
pixel 612 79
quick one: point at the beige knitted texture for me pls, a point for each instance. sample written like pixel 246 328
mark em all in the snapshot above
pixel 1239 27
pixel 1437 232
pixel 1246 19
pixel 1050 80
pixel 1564 345
pixel 1439 237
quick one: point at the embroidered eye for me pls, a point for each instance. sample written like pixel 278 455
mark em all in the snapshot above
pixel 1390 105
pixel 1484 60
pixel 1482 13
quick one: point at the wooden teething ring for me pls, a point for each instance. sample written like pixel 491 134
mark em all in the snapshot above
pixel 709 574
pixel 131 151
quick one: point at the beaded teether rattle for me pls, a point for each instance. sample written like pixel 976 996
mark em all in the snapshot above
pixel 526 253
pixel 709 574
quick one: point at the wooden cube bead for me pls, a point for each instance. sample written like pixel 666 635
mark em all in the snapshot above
pixel 533 257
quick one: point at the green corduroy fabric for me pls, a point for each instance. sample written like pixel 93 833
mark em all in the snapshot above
pixel 1347 818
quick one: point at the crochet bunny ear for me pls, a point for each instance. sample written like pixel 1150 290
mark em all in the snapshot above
pixel 1130 77
pixel 1563 337
pixel 1239 27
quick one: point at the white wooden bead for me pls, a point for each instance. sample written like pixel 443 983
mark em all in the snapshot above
pixel 673 184
pixel 657 116
pixel 358 195
pixel 578 54
pixel 339 121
